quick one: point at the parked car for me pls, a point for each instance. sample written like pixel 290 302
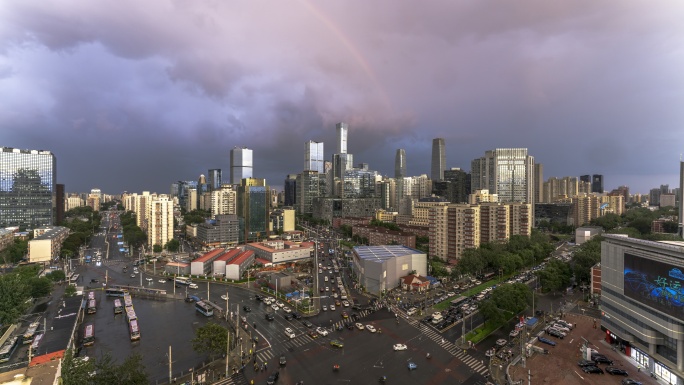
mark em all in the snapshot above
pixel 501 342
pixel 412 366
pixel 602 360
pixel 616 371
pixel 307 324
pixel 555 332
pixel 592 369
pixel 583 363
pixel 272 378
pixel 630 381
pixel 399 347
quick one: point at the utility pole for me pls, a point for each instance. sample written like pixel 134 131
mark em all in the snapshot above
pixel 227 349
pixel 208 299
pixel 227 309
pixel 170 365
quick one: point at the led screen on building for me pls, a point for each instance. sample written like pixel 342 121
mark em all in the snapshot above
pixel 655 284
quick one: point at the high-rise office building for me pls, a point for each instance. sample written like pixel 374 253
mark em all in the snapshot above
pixel 27 187
pixel 681 199
pixel 597 184
pixel 290 190
pixel 314 159
pixel 538 182
pixel 215 177
pixel 438 159
pixel 400 164
pixel 507 172
pixel 342 161
pixel 254 202
pixel 59 203
pixel 240 164
pixel 341 143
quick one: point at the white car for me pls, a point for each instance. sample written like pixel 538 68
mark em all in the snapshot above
pixel 149 279
pixel 335 295
pixel 411 311
pixel 290 333
pixel 274 307
pixel 322 331
pixel 332 307
pixel 399 347
pixel 451 294
pixel 514 333
pixel 287 309
pixel 224 297
pixel 324 308
pixel 162 281
pixel 280 304
pixel 359 326
pixel 370 328
pixel 345 303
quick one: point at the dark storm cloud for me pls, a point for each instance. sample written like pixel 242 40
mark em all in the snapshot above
pixel 135 95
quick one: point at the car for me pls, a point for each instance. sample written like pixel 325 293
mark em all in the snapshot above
pixel 247 309
pixel 546 341
pixel 272 378
pixel 282 361
pixel 269 317
pixel 350 326
pixel 451 294
pixel 274 307
pixel 345 303
pixel 280 303
pixel 616 371
pixel 148 279
pixel 162 280
pixel 370 328
pixel 602 360
pixel 307 324
pixel 322 289
pixel 399 347
pixel 132 275
pixel 514 333
pixel 322 331
pixel 296 315
pixel 412 366
pixel 338 303
pixel 332 307
pixel 555 332
pixel 592 369
pixel 501 342
pixel 583 363
pixel 327 288
pixel 344 314
pixel 561 327
pixel 336 343
pixel 290 333
pixel 359 326
pixel 313 334
pixel 287 309
pixel 411 311
pixel 324 308
pixel 224 297
pixel 288 316
pixel 630 381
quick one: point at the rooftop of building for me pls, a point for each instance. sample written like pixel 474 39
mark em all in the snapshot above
pixel 229 255
pixel 208 256
pixel 51 232
pixel 243 256
pixel 384 230
pixel 178 264
pixel 62 325
pixel 383 253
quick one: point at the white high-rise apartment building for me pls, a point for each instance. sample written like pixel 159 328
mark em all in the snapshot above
pixel 73 201
pixel 159 220
pixel 240 164
pixel 314 159
pixel 141 209
pixel 507 172
pixel 224 201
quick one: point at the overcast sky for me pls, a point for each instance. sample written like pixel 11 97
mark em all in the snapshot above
pixel 134 95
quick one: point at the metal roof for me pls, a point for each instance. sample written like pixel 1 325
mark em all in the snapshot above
pixel 383 253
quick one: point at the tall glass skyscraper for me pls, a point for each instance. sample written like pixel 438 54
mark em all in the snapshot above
pixel 27 187
pixel 400 164
pixel 314 159
pixel 508 172
pixel 438 160
pixel 240 164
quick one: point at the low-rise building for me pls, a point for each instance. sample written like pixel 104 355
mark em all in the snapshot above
pixel 238 265
pixel 279 251
pixel 584 234
pixel 219 264
pixel 203 264
pixel 224 230
pixel 378 235
pixel 46 243
pixel 177 268
pixel 413 282
pixel 6 238
pixel 380 268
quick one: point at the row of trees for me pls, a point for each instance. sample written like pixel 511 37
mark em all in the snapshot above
pixel 132 233
pixel 19 286
pixel 15 252
pixel 82 222
pixel 104 371
pixel 505 301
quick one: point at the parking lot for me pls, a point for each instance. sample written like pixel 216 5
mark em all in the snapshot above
pixel 560 365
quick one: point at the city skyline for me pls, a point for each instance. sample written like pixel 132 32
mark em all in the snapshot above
pixel 127 102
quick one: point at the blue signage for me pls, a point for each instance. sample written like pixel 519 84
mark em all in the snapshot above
pixel 655 284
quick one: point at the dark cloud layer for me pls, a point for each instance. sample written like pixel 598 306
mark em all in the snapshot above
pixel 134 95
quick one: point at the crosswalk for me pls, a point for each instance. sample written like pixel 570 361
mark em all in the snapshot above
pixel 473 363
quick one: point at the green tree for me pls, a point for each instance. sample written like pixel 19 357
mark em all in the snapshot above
pixel 491 312
pixel 210 338
pixel 40 287
pixel 56 276
pixel 173 245
pixel 70 291
pixel 14 291
pixel 75 371
pixel 132 371
pixel 555 276
pixel 157 248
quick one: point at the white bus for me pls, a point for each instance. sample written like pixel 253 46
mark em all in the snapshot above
pixel 182 281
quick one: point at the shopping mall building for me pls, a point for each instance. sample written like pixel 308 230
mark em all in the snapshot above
pixel 642 302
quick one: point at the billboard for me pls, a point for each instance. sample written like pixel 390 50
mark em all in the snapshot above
pixel 655 284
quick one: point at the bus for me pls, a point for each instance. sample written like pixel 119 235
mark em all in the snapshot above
pixel 92 306
pixel 36 342
pixel 115 291
pixel 118 307
pixel 458 302
pixel 128 301
pixel 130 314
pixel 73 278
pixel 8 349
pixel 134 330
pixel 30 332
pixel 89 335
pixel 91 295
pixel 182 281
pixel 203 308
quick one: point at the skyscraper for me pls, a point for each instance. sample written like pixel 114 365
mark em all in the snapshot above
pixel 342 161
pixel 159 221
pixel 314 158
pixel 342 129
pixel 240 164
pixel 438 159
pixel 253 207
pixel 400 164
pixel 597 184
pixel 681 199
pixel 27 187
pixel 507 172
pixel 215 179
